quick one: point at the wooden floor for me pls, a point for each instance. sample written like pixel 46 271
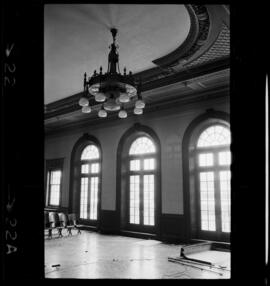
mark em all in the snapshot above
pixel 92 255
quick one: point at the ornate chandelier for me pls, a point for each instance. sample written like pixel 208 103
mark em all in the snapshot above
pixel 112 89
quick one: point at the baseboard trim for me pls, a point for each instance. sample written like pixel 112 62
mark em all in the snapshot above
pixel 138 234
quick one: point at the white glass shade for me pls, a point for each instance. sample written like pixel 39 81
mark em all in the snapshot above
pixel 123 98
pixel 100 97
pixel 111 105
pixel 83 101
pixel 138 111
pixel 86 109
pixel 122 114
pixel 139 104
pixel 102 113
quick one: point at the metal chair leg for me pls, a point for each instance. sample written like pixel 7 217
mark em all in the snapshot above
pixel 49 233
pixel 60 232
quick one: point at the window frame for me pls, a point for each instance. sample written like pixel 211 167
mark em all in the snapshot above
pixel 188 143
pixel 122 180
pixel 90 175
pixel 51 166
pixel 215 168
pixel 141 173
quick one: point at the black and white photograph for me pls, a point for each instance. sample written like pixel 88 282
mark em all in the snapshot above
pixel 121 151
pixel 137 141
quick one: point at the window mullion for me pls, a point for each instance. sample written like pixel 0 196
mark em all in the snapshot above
pixel 89 197
pixel 217 194
pixel 141 194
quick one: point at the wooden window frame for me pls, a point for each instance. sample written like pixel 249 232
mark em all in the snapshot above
pixel 89 176
pixel 51 166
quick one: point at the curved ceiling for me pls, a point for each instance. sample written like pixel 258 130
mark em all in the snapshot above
pixel 77 39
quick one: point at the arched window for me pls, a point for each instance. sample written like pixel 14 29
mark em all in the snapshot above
pixel 213 171
pixel 89 182
pixel 206 177
pixel 138 181
pixel 142 166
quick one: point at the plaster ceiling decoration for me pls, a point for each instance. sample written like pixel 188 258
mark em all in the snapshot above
pixel 187 60
pixel 77 39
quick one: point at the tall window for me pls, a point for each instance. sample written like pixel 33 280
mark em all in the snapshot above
pixel 54 170
pixel 89 182
pixel 142 172
pixel 54 185
pixel 213 165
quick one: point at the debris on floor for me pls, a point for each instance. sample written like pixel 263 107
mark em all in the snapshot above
pixel 204 265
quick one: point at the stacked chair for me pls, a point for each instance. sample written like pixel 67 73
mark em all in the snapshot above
pixel 59 222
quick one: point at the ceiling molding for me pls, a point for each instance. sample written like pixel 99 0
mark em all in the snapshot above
pixel 158 106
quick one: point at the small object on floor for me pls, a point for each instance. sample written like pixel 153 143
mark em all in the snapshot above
pixel 56 265
pixel 192 259
pixel 86 250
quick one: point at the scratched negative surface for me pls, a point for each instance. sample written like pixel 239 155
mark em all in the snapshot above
pixel 93 255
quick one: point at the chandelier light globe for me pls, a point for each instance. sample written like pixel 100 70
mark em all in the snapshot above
pixel 102 113
pixel 140 104
pixel 123 98
pixel 111 105
pixel 86 109
pixel 138 111
pixel 83 101
pixel 122 114
pixel 100 97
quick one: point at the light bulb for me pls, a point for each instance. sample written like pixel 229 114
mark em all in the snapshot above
pixel 102 113
pixel 83 101
pixel 122 114
pixel 123 98
pixel 138 111
pixel 100 97
pixel 86 109
pixel 139 103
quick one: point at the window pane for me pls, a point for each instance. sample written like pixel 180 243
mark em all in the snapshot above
pixel 205 159
pixel 54 187
pixel 84 198
pixel 90 152
pixel 149 164
pixel 142 145
pixel 134 200
pixel 95 168
pixel 55 177
pixel 134 165
pixel 207 201
pixel 55 195
pixel 224 158
pixel 94 197
pixel 214 136
pixel 85 169
pixel 148 204
pixel 225 189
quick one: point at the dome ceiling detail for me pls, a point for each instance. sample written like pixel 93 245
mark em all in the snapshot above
pixel 77 37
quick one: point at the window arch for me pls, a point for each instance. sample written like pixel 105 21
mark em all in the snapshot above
pixel 215 135
pixel 142 145
pixel 90 152
pixel 85 186
pixel 138 180
pixel 206 167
